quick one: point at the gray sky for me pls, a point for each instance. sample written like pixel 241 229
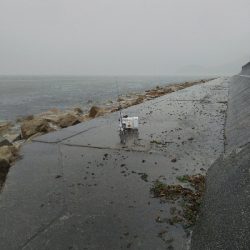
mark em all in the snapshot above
pixel 121 36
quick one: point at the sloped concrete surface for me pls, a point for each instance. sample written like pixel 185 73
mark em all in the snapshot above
pixel 86 188
pixel 224 221
pixel 238 115
pixel 246 69
pixel 225 216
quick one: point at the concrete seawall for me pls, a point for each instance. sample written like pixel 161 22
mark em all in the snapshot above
pixel 224 221
pixel 238 115
pixel 85 187
pixel 246 69
pixel 81 188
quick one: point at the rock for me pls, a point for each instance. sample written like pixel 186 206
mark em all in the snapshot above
pixel 53 126
pixel 61 119
pixel 25 118
pixel 78 110
pixel 4 166
pixel 126 104
pixel 34 126
pixel 153 93
pixel 68 120
pixel 96 111
pixel 138 100
pixel 12 137
pixel 4 169
pixel 83 118
pixel 52 115
pixel 120 99
pixel 174 160
pixel 51 118
pixel 115 109
pixel 4 142
pixel 4 126
pixel 29 117
pixel 8 153
pixel 18 145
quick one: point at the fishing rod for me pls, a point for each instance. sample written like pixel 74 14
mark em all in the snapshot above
pixel 126 123
pixel 119 108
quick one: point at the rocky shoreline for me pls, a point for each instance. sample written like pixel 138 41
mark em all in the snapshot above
pixel 12 136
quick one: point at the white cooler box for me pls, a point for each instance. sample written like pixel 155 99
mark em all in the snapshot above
pixel 130 122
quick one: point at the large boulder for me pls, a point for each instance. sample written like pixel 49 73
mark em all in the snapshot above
pixel 96 111
pixel 52 116
pixel 4 126
pixel 61 119
pixel 78 110
pixel 4 166
pixel 25 118
pixel 12 137
pixel 4 142
pixel 138 100
pixel 8 153
pixel 68 120
pixel 34 126
pixel 83 118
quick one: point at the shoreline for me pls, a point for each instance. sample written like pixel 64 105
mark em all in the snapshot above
pixel 155 180
pixel 40 95
pixel 13 136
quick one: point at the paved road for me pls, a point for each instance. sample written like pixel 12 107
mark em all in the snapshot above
pixel 80 188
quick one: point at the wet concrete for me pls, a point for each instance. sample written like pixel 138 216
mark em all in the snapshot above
pixel 84 187
pixel 224 221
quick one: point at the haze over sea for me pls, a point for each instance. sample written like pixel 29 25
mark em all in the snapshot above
pixel 26 95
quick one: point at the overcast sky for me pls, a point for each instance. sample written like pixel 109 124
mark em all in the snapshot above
pixel 121 36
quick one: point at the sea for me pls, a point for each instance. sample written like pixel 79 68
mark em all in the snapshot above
pixel 25 95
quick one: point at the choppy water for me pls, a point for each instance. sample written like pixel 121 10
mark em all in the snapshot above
pixel 24 95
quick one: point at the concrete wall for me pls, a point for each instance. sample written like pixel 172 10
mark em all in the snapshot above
pixel 246 69
pixel 238 114
pixel 225 215
pixel 224 219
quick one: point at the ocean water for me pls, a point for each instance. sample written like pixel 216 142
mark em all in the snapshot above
pixel 25 95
